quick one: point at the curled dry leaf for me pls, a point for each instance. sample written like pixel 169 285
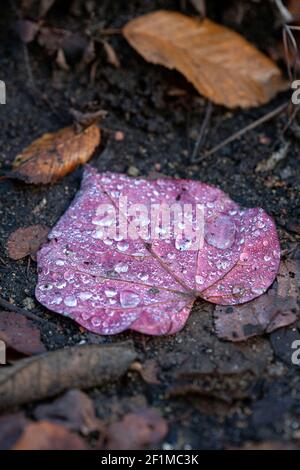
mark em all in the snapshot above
pixel 49 374
pixel 48 436
pixel 56 154
pixel 20 334
pixel 276 308
pixel 137 431
pixel 26 241
pixel 220 63
pixel 145 282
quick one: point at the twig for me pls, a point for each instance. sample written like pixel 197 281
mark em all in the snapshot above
pixel 248 128
pixel 14 308
pixel 204 126
pixel 284 12
pixel 31 81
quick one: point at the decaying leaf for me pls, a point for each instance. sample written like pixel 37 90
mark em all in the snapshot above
pixel 11 428
pixel 56 154
pixel 48 436
pixel 73 410
pixel 20 334
pixel 111 283
pixel 49 374
pixel 276 308
pixel 137 431
pixel 220 63
pixel 26 241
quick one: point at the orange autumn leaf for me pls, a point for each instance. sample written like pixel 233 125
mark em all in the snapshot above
pixel 53 155
pixel 220 63
pixel 44 435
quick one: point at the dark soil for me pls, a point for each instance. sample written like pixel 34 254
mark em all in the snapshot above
pixel 214 394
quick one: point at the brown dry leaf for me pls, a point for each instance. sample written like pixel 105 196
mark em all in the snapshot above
pixel 26 241
pixel 137 431
pixel 56 154
pixel 220 63
pixel 276 308
pixel 48 436
pixel 73 410
pixel 52 373
pixel 20 334
pixel 149 372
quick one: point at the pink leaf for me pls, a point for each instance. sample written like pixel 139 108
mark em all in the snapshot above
pixel 149 282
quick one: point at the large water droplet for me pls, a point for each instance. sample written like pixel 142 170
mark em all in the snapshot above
pixel 85 295
pixel 129 299
pixel 121 268
pixel 122 246
pixel 110 292
pixel 96 321
pixel 98 235
pixel 46 287
pixel 182 244
pixel 199 280
pixel 238 290
pixel 70 301
pixel 59 262
pixel 220 232
pixel 257 290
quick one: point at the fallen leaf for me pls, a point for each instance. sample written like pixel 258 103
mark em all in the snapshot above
pixel 149 372
pixel 26 241
pixel 48 436
pixel 275 309
pixel 49 374
pixel 149 285
pixel 20 334
pixel 220 63
pixel 73 410
pixel 137 431
pixel 11 428
pixel 54 155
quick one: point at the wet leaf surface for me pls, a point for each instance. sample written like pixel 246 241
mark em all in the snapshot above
pixel 111 284
pixel 54 155
pixel 204 51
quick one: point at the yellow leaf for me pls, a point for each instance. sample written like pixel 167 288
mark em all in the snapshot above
pixel 220 63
